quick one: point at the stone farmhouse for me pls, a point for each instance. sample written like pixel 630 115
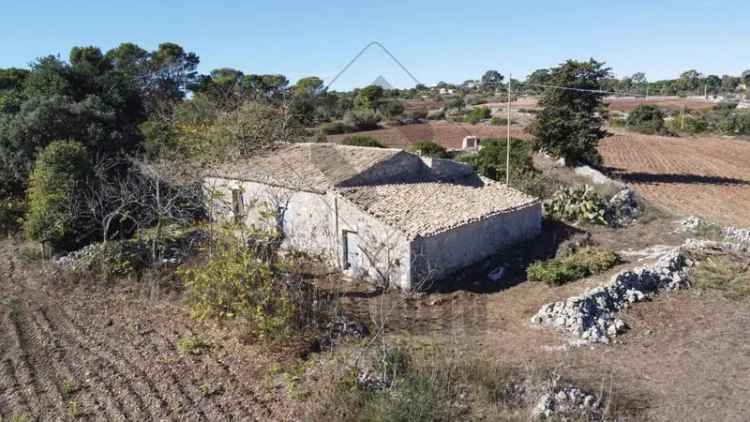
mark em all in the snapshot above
pixel 383 214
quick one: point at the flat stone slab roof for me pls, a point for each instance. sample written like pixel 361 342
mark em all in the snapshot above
pixel 316 167
pixel 425 209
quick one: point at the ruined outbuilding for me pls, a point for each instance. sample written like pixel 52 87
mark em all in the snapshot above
pixel 383 214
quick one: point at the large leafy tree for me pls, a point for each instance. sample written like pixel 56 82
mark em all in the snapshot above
pixel 96 99
pixel 170 71
pixel 492 80
pixel 310 85
pixel 536 80
pixel 570 123
pixel 368 97
pixel 11 86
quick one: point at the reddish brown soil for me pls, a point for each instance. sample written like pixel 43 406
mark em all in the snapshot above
pixel 116 349
pixel 449 135
pixel 709 177
pixel 686 356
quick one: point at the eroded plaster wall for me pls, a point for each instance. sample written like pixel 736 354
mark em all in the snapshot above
pixel 440 255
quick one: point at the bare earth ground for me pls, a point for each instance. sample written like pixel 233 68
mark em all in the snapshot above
pixel 112 351
pixel 687 356
pixel 449 135
pixel 707 176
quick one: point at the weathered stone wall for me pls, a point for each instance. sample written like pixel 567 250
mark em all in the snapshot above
pixel 444 253
pixel 385 251
pixel 305 217
pixel 315 223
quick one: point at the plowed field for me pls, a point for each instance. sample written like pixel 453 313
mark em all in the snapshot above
pixel 709 177
pixel 92 355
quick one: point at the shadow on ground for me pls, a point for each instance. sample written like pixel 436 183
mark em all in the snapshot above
pixel 647 178
pixel 475 279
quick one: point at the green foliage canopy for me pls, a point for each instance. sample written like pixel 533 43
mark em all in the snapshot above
pixel 570 123
pixel 51 216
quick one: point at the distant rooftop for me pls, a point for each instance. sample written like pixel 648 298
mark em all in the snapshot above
pixel 425 209
pixel 316 167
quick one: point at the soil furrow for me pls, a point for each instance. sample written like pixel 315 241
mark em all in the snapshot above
pixel 13 401
pixel 95 370
pixel 241 410
pixel 109 353
pixel 194 396
pixel 37 387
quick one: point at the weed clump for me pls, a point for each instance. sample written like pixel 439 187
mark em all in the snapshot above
pixel 583 263
pixel 729 276
pixel 191 345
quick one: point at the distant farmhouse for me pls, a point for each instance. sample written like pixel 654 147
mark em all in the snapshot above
pixel 383 214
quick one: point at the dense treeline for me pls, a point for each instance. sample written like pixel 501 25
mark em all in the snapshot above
pixel 112 110
pixel 128 104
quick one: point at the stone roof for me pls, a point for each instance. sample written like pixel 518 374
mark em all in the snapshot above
pixel 316 167
pixel 425 209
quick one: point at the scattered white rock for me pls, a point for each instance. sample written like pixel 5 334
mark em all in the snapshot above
pixel 566 403
pixel 591 316
pixel 597 177
pixel 737 235
pixel 623 208
pixel 648 254
pixel 690 224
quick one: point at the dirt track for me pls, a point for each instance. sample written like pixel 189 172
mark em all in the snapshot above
pixel 709 177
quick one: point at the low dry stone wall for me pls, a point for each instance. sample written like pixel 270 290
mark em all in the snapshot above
pixel 591 316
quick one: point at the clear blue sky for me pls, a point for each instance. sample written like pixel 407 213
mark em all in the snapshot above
pixel 435 40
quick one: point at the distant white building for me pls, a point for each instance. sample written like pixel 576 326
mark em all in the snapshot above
pixel 378 213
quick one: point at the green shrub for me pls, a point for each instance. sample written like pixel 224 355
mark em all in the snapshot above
pixel 57 172
pixel 490 161
pixel 500 121
pixel 361 120
pixel 362 141
pixel 576 204
pixel 477 114
pixel 12 211
pixel 236 283
pixel 475 100
pixel 583 263
pixel 335 128
pixel 429 149
pixel 417 114
pixel 119 259
pixel 690 124
pixel 391 108
pixel 648 119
